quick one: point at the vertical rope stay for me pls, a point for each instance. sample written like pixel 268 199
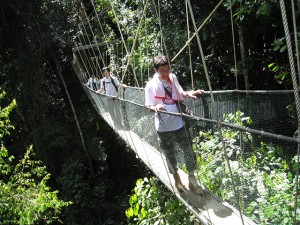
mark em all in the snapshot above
pixel 141 67
pixel 234 50
pixel 197 30
pixel 190 53
pixel 93 67
pixel 188 33
pixel 84 65
pixel 104 35
pixel 163 47
pixel 296 38
pixel 90 42
pixel 296 94
pixel 96 16
pixel 82 39
pixel 134 43
pixel 147 49
pixel 160 27
pixel 203 59
pixel 129 62
pixel 123 41
pixel 118 24
pixel 214 110
pixel 75 117
pixel 88 50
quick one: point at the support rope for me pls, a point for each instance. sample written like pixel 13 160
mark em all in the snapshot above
pixel 90 43
pixel 130 55
pixel 296 38
pixel 93 67
pixel 135 41
pixel 214 107
pixel 82 38
pixel 188 33
pixel 296 94
pixel 197 31
pixel 234 50
pixel 202 57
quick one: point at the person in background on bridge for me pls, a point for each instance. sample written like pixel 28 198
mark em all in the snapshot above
pixel 93 83
pixel 110 85
pixel 170 128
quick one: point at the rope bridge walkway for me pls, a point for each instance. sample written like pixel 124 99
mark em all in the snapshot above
pixel 134 123
pixel 246 142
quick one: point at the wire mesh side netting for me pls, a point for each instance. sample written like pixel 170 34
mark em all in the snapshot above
pixel 272 112
pixel 251 169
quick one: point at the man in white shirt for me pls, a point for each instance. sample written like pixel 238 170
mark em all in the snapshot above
pixel 163 92
pixel 110 85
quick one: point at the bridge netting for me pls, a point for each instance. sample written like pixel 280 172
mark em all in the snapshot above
pixel 246 142
pixel 246 146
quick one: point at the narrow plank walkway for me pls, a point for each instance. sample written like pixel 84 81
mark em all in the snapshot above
pixel 207 208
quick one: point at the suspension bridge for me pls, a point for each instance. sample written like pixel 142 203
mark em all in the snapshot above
pixel 230 155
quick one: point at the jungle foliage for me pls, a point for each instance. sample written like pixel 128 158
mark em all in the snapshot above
pixel 152 203
pixel 25 195
pixel 34 33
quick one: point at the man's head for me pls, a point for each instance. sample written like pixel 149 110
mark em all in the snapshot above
pixel 161 61
pixel 105 71
pixel 162 67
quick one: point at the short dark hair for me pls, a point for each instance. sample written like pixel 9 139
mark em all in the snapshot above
pixel 161 61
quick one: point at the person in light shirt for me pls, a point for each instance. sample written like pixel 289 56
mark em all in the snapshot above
pixel 93 83
pixel 109 85
pixel 163 92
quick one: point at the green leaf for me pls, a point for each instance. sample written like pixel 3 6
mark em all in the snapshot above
pixel 283 48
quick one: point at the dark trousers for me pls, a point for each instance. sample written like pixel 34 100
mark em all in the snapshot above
pixel 167 141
